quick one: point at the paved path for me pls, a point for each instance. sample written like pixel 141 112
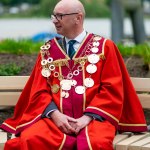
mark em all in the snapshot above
pixel 23 28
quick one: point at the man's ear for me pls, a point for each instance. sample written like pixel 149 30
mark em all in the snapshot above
pixel 79 18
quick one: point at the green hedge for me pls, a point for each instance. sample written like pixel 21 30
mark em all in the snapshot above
pixel 142 50
pixel 19 47
pixel 30 47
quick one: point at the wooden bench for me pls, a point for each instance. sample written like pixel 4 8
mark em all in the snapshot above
pixel 11 87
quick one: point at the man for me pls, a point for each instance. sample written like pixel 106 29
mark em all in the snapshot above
pixel 77 102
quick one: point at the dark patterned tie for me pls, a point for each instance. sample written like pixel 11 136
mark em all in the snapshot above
pixel 71 50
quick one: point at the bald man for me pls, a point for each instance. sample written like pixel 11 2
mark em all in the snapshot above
pixel 77 96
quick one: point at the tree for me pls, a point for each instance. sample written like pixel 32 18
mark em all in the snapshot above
pixel 16 2
pixel 47 6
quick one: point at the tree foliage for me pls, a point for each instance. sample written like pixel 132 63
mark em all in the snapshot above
pixel 96 8
pixel 43 8
pixel 46 6
pixel 16 2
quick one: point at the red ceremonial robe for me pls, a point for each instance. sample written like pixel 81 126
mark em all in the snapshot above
pixel 112 96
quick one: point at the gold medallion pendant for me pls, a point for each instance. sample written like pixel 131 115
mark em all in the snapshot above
pixel 55 88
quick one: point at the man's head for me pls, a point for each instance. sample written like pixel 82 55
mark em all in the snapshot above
pixel 68 17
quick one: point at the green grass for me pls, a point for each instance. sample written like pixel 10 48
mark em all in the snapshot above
pixel 141 50
pixel 19 47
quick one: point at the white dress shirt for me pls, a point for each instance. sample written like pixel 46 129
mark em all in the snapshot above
pixel 79 40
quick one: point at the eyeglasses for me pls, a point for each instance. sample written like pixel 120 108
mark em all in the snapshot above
pixel 59 16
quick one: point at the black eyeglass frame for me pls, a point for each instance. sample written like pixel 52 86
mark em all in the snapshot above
pixel 57 16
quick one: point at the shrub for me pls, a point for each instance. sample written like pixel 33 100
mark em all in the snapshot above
pixel 10 69
pixel 142 50
pixel 19 47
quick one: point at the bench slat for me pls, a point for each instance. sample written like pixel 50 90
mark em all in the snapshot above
pixel 146 147
pixel 120 137
pixel 141 84
pixel 3 137
pixel 1 146
pixel 139 144
pixel 12 82
pixel 123 145
pixel 18 82
pixel 145 100
pixel 9 98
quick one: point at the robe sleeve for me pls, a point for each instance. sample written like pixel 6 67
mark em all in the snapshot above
pixel 50 108
pixel 108 102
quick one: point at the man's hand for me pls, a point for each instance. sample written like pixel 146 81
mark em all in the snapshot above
pixel 62 122
pixel 81 123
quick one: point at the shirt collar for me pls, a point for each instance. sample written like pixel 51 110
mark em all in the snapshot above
pixel 79 38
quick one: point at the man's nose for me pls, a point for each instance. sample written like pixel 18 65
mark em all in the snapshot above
pixel 54 20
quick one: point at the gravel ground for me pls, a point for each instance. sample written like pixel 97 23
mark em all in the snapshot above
pixel 135 66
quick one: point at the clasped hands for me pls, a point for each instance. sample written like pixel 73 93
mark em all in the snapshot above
pixel 69 125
